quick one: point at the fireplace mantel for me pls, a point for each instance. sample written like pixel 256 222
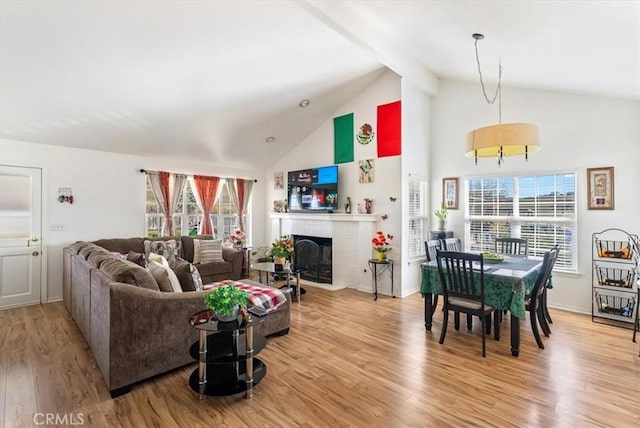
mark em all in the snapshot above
pixel 326 217
pixel 351 240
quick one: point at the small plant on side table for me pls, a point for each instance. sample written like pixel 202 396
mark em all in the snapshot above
pixel 225 301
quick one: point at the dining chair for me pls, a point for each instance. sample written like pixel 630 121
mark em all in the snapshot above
pixel 534 302
pixel 431 247
pixel 452 244
pixel 463 291
pixel 515 246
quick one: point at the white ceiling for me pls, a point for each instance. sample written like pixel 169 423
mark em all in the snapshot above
pixel 210 81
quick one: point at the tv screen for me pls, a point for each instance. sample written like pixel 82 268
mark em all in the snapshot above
pixel 313 189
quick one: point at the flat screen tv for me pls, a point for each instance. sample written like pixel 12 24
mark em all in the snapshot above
pixel 313 189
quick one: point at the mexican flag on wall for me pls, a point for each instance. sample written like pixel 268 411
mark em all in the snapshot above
pixel 343 138
pixel 389 133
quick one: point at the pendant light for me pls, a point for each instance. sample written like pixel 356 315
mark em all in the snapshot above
pixel 503 139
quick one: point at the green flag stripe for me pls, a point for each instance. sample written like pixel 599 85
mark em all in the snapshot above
pixel 343 137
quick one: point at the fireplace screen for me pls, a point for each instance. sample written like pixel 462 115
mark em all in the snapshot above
pixel 313 257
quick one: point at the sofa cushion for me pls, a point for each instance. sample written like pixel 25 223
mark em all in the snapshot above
pixel 211 269
pixel 162 273
pixel 207 251
pixel 169 249
pixel 88 249
pixel 97 257
pixel 187 245
pixel 137 258
pixel 121 245
pixel 188 275
pixel 129 273
pixel 79 245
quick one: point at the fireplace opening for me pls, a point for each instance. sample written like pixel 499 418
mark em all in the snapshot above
pixel 313 257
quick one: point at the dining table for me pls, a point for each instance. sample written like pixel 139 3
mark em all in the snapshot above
pixel 506 284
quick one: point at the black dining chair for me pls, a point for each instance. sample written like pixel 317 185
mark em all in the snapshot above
pixel 431 247
pixel 515 246
pixel 463 291
pixel 452 244
pixel 534 302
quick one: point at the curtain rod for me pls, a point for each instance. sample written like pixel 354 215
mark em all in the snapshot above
pixel 144 171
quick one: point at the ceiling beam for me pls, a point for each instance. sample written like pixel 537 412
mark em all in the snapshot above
pixel 354 23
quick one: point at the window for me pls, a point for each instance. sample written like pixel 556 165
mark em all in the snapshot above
pixel 541 209
pixel 223 215
pixel 418 221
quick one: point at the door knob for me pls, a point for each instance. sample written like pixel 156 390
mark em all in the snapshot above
pixel 35 253
pixel 34 239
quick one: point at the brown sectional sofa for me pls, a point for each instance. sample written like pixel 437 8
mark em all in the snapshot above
pixel 134 330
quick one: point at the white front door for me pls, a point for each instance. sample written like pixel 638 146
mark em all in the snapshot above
pixel 20 236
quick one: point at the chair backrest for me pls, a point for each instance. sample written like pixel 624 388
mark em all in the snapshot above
pixel 431 247
pixel 457 275
pixel 548 262
pixel 452 244
pixel 514 246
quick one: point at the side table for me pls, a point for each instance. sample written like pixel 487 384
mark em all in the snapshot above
pixel 225 352
pixel 386 264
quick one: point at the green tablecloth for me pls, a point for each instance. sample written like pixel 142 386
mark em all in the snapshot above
pixel 505 284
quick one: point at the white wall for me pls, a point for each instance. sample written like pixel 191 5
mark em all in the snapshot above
pixel 416 132
pixel 317 150
pixel 576 132
pixel 108 191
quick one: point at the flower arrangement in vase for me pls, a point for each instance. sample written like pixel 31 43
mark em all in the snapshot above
pixel 237 238
pixel 225 301
pixel 381 244
pixel 281 249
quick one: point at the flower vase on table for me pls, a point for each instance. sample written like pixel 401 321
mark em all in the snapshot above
pixel 381 245
pixel 279 260
pixel 382 256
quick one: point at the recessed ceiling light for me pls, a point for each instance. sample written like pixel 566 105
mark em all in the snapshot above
pixel 270 139
pixel 303 103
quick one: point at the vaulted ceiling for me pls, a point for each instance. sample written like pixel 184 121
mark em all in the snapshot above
pixel 211 80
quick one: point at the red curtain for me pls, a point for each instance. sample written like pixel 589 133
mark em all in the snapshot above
pixel 164 188
pixel 206 188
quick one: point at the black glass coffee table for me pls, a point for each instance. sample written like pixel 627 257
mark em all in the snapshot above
pixel 286 270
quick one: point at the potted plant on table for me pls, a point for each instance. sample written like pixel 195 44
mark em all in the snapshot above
pixel 225 301
pixel 237 238
pixel 442 214
pixel 381 245
pixel 281 249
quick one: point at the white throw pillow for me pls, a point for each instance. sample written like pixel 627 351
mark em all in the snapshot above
pixel 162 273
pixel 207 251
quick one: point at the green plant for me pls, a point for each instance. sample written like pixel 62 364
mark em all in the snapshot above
pixel 442 213
pixel 223 299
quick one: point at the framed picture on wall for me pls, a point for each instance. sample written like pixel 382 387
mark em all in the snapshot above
pixel 600 188
pixel 450 192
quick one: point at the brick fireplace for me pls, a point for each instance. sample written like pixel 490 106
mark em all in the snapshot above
pixel 351 243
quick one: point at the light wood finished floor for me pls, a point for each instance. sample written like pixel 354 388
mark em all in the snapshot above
pixel 347 362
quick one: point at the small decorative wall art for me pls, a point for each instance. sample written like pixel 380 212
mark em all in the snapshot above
pixel 600 188
pixel 367 171
pixel 450 192
pixel 278 180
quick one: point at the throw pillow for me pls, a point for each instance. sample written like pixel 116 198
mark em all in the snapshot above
pixel 170 249
pixel 188 275
pixel 164 276
pixel 137 258
pixel 206 251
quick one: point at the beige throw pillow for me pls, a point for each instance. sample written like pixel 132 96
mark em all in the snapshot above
pixel 207 251
pixel 162 273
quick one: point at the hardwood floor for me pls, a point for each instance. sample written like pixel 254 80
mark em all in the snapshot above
pixel 347 361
